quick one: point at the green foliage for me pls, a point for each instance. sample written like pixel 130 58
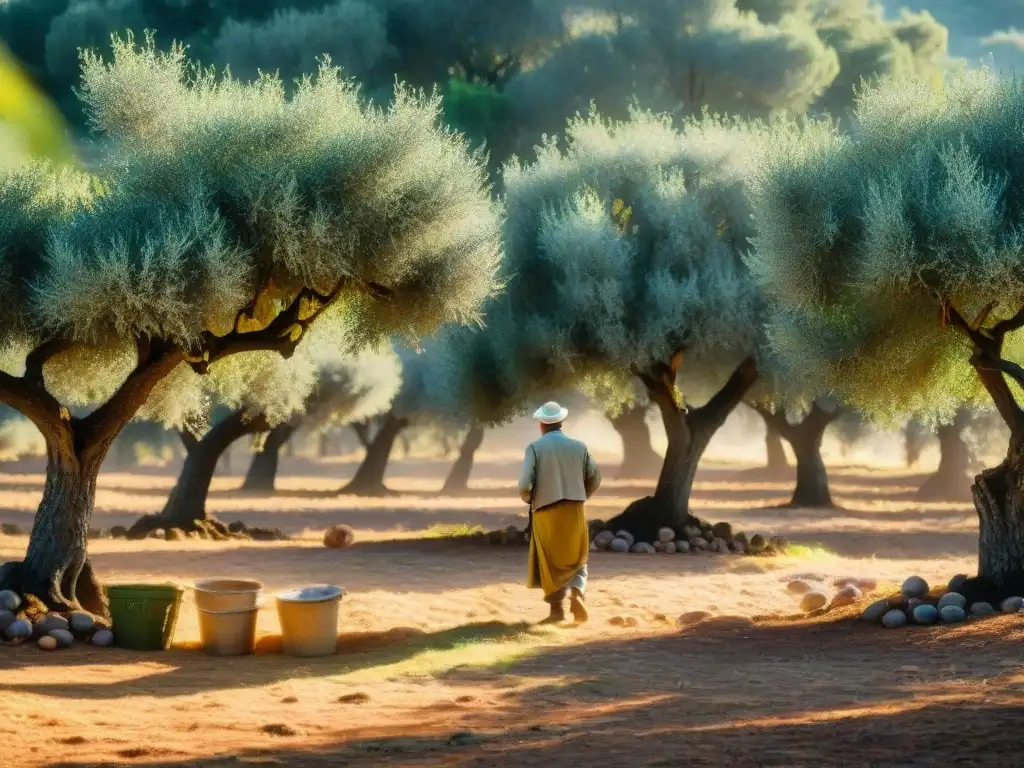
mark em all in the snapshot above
pixel 214 196
pixel 860 236
pixel 477 110
pixel 593 294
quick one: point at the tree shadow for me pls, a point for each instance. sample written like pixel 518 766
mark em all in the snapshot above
pixel 188 672
pixel 807 695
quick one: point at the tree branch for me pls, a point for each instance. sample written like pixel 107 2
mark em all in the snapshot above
pixel 1010 368
pixel 1004 327
pixel 279 335
pixel 94 433
pixel 39 356
pixel 715 410
pixel 34 403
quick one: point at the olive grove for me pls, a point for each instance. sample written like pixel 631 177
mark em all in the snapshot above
pixel 222 218
pixel 893 255
pixel 623 263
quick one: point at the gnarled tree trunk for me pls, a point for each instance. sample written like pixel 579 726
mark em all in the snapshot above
pixel 999 500
pixel 262 472
pixel 688 432
pixel 639 459
pixel 369 477
pixel 56 568
pixel 458 478
pixel 812 489
pixel 186 504
pixel 950 479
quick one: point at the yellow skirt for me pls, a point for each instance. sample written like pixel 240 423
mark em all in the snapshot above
pixel 559 546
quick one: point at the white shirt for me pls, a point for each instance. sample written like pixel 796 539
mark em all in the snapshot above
pixel 557 468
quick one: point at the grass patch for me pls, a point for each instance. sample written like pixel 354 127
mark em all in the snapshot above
pixel 453 531
pixel 491 646
pixel 810 552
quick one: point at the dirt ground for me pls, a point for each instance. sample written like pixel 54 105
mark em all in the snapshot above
pixel 441 666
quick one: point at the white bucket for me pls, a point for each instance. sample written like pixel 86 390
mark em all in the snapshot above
pixel 309 620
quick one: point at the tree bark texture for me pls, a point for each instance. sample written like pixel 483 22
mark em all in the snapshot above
pixel 369 477
pixel 262 473
pixel 186 503
pixel 999 500
pixel 639 459
pixel 689 431
pixel 805 438
pixel 950 479
pixel 458 478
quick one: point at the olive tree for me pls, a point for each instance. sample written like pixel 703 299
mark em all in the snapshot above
pixel 624 261
pixel 894 255
pixel 347 390
pixel 223 217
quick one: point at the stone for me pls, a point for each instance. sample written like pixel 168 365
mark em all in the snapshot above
pixel 629 537
pixel 642 548
pixel 707 535
pixel 780 543
pixel 157 533
pixel 720 544
pixel 670 548
pixel 741 538
pixel 593 547
pixel 957 582
pixel 10 529
pixel 682 546
pixel 913 603
pixel 693 617
pixel 738 548
pixel 102 638
pixel 236 527
pixel 722 530
pixel 876 611
pixel 20 629
pixel 702 544
pixel 619 545
pixel 812 601
pixel 894 618
pixel 952 614
pixel 174 534
pixel 757 544
pixel 9 600
pixel 63 637
pixel 926 614
pixel 1012 605
pixel 981 610
pixel 915 586
pixel 666 534
pixel 691 531
pixel 48 643
pixel 49 623
pixel 848 595
pixel 6 619
pixel 119 532
pixel 659 546
pixel 798 587
pixel 952 598
pixel 341 537
pixel 604 539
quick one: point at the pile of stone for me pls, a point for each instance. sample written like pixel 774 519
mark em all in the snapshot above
pixel 50 631
pixel 917 603
pixel 510 536
pixel 211 530
pixel 695 539
pixel 847 592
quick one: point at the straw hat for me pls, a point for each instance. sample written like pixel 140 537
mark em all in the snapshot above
pixel 550 413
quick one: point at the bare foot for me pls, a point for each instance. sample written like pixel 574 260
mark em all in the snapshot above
pixel 579 611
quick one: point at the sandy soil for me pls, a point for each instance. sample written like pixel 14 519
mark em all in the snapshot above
pixel 437 641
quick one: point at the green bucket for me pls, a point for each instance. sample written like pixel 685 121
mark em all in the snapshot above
pixel 144 615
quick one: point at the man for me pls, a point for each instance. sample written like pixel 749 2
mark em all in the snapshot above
pixel 558 476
